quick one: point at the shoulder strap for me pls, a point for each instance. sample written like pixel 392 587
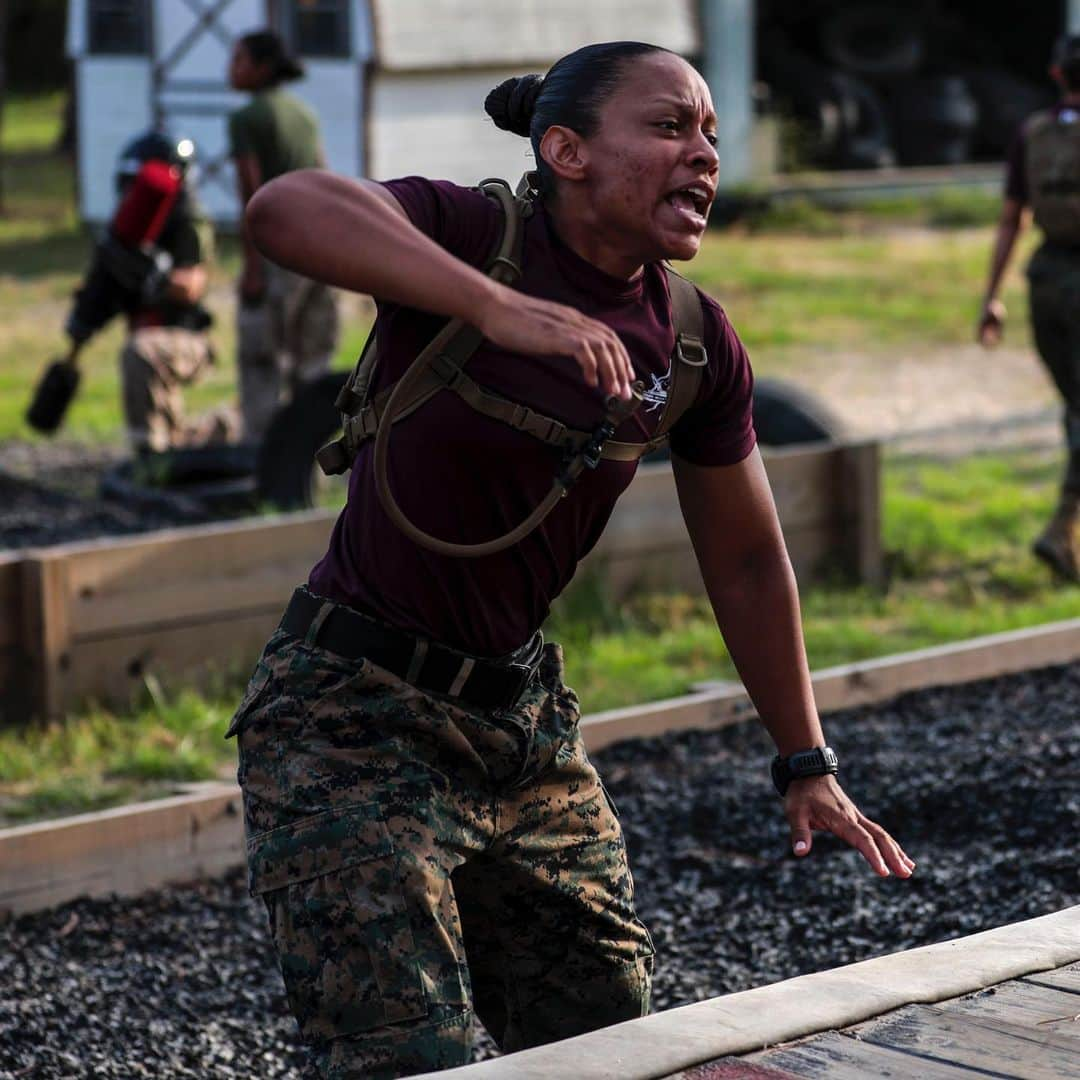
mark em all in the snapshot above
pixel 453 345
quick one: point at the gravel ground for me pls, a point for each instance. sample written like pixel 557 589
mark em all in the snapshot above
pixel 49 492
pixel 981 783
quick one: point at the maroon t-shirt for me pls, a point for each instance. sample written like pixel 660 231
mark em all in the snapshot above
pixel 466 478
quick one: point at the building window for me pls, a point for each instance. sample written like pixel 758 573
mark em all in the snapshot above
pixel 317 27
pixel 119 26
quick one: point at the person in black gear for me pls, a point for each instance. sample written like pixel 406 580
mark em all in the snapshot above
pixel 1044 173
pixel 151 266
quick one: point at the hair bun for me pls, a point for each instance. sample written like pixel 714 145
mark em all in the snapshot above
pixel 512 102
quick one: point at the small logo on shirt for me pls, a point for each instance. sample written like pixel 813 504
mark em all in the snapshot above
pixel 656 395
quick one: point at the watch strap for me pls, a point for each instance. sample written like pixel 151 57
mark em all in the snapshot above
pixel 817 761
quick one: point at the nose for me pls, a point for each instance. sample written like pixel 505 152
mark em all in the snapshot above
pixel 703 154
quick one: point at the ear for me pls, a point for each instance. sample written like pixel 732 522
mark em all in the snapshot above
pixel 565 152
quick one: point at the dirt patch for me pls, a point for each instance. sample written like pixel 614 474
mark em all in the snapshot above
pixel 947 399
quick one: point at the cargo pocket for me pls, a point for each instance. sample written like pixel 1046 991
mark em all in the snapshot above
pixel 252 694
pixel 339 922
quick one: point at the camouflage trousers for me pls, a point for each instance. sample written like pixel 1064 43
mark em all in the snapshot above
pixel 286 338
pixel 1054 278
pixel 155 364
pixel 421 861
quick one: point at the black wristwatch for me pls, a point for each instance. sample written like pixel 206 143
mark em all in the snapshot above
pixel 818 761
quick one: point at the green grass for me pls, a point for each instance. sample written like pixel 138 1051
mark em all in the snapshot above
pixel 32 122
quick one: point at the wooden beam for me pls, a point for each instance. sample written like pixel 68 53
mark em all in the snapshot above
pixel 127 850
pixel 46 628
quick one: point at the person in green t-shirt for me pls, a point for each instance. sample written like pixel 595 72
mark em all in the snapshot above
pixel 287 325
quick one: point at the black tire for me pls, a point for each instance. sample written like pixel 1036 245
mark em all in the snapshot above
pixel 873 42
pixel 865 139
pixel 193 482
pixel 785 415
pixel 298 430
pixel 934 119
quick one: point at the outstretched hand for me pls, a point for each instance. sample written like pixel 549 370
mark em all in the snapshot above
pixel 818 802
pixel 536 327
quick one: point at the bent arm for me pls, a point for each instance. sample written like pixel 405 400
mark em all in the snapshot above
pixel 1010 225
pixel 736 534
pixel 354 234
pixel 248 181
pixel 735 531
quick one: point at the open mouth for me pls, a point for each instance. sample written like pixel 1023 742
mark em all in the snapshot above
pixel 693 200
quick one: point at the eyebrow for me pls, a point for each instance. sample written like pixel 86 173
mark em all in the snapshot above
pixel 681 104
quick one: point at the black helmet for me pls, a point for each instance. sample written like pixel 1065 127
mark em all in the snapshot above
pixel 154 146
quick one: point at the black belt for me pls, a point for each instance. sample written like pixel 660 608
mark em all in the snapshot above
pixel 486 683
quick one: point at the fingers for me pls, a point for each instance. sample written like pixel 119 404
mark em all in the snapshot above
pixel 821 804
pixel 802 839
pixel 864 843
pixel 895 857
pixel 606 363
pixel 589 364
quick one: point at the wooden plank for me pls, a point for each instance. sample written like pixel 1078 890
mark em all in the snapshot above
pixel 180 573
pixel 16 676
pixel 1001 1048
pixel 11 585
pixel 731 1069
pixel 838 1057
pixel 1035 1008
pixel 115 669
pixel 803 484
pixel 859 486
pixel 46 633
pixel 1066 978
pixel 127 850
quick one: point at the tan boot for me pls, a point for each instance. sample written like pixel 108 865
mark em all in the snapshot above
pixel 1057 546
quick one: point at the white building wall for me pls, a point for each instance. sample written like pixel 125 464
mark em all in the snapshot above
pixel 422 34
pixel 114 95
pixel 193 97
pixel 336 90
pixel 435 125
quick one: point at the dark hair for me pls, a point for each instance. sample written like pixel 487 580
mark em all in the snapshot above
pixel 268 47
pixel 570 95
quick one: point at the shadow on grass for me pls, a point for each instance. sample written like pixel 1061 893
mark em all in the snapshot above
pixel 64 251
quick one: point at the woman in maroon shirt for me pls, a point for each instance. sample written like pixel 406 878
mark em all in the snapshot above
pixel 423 822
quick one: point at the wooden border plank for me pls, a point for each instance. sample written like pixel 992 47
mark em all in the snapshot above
pixel 16 702
pixel 46 627
pixel 126 850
